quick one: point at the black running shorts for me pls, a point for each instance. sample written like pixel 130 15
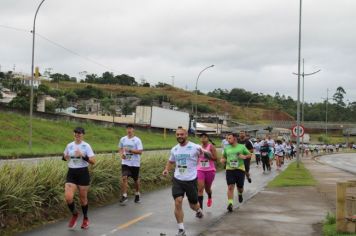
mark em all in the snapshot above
pixel 130 171
pixel 180 187
pixel 235 177
pixel 78 176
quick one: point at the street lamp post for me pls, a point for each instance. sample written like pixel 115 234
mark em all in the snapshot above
pixel 32 71
pixel 298 101
pixel 326 112
pixel 196 95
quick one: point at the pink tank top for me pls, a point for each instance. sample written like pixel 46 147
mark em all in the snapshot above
pixel 206 164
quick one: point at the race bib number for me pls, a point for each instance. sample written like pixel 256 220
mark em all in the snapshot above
pixel 129 157
pixel 182 166
pixel 205 164
pixel 234 164
pixel 264 153
pixel 182 170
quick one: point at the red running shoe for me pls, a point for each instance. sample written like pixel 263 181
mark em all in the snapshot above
pixel 209 202
pixel 73 221
pixel 85 224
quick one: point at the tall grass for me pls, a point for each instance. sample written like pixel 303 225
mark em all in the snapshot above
pixel 34 194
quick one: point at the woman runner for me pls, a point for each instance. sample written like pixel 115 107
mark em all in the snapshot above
pixel 206 169
pixel 79 155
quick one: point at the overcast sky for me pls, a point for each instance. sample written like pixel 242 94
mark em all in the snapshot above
pixel 252 43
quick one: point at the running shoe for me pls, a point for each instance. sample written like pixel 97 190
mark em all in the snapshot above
pixel 229 207
pixel 73 221
pixel 209 202
pixel 199 214
pixel 137 199
pixel 240 198
pixel 85 223
pixel 123 200
pixel 181 232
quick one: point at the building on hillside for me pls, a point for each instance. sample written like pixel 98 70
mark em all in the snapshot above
pixel 7 95
pixel 68 110
pixel 91 106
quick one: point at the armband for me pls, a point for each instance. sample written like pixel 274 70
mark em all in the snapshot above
pixel 86 158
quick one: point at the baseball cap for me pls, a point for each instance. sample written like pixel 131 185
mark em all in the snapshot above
pixel 79 130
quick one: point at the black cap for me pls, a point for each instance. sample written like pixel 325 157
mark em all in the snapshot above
pixel 129 126
pixel 79 130
pixel 203 134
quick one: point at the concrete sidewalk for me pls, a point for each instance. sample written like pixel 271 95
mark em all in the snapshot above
pixel 285 211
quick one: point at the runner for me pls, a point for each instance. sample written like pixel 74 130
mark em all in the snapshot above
pixel 185 157
pixel 271 145
pixel 224 143
pixel 265 150
pixel 79 155
pixel 244 139
pixel 234 155
pixel 130 150
pixel 279 154
pixel 256 149
pixel 206 169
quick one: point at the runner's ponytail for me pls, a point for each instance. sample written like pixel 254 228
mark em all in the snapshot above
pixel 211 141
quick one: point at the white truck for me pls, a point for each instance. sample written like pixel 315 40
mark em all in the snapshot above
pixel 161 118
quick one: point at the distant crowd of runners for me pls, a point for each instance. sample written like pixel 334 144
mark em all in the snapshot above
pixel 194 168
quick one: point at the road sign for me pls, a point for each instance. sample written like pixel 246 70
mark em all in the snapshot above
pixel 295 131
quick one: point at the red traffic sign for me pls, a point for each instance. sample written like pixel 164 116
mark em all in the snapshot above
pixel 295 131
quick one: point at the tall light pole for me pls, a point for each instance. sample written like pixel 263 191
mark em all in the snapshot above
pixel 326 112
pixel 196 95
pixel 298 101
pixel 32 71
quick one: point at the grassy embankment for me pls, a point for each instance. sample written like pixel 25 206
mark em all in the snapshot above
pixel 293 177
pixel 51 137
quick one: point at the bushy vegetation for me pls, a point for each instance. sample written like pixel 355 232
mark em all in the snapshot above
pixel 34 194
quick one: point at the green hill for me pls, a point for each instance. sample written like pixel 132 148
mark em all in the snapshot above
pixel 185 99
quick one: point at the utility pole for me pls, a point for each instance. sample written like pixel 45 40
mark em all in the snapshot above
pixel 326 112
pixel 303 75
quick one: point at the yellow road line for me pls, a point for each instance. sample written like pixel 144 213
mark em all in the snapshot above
pixel 134 221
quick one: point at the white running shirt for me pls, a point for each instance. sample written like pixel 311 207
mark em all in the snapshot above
pixel 186 159
pixel 84 148
pixel 133 143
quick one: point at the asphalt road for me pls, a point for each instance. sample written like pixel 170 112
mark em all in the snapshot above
pixel 154 215
pixel 344 161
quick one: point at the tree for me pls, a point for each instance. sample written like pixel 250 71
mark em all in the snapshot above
pixel 338 96
pixel 61 103
pixel 43 89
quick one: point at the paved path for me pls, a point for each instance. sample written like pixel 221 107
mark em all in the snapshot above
pixel 344 161
pixel 155 214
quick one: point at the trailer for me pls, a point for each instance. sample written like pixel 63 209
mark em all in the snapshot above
pixel 158 117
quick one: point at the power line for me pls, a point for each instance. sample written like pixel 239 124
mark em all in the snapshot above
pixel 62 47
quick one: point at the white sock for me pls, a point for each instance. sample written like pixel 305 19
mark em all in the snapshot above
pixel 125 194
pixel 137 193
pixel 180 226
pixel 199 210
